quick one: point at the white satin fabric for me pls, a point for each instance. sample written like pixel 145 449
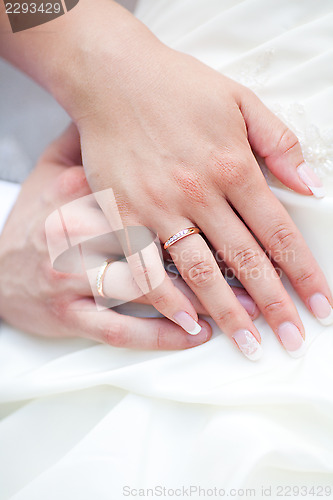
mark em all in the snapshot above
pixel 9 192
pixel 82 420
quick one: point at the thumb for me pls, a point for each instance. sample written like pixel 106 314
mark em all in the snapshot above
pixel 271 139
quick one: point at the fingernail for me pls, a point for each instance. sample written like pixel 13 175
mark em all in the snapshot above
pixel 308 176
pixel 187 323
pixel 248 344
pixel 321 308
pixel 205 334
pixel 292 339
pixel 248 304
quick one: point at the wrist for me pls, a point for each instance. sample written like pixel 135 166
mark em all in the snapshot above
pixel 101 59
pixel 80 53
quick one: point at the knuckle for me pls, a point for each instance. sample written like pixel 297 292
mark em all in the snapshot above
pixel 225 317
pixel 200 274
pixel 58 307
pixel 61 225
pixel 287 140
pixel 237 178
pixel 237 171
pixel 76 225
pixel 281 239
pixel 193 185
pixel 305 277
pixel 147 280
pixel 162 337
pixel 229 169
pixel 72 182
pixel 139 270
pixel 149 275
pixel 275 307
pixel 115 335
pixel 159 301
pixel 246 260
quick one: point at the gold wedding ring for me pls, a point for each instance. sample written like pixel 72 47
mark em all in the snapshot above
pixel 180 235
pixel 101 276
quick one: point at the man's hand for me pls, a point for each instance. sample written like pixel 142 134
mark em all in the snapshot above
pixel 37 298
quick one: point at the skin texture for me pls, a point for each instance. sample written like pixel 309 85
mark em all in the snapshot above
pixel 201 150
pixel 50 303
pixel 174 141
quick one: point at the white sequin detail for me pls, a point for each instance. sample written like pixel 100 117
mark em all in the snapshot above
pixel 250 346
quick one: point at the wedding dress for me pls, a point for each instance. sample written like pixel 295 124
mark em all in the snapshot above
pixel 83 420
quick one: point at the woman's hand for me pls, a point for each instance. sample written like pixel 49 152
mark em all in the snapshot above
pixel 174 140
pixel 48 302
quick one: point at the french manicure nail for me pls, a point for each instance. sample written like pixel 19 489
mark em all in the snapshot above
pixel 308 176
pixel 248 304
pixel 292 339
pixel 199 339
pixel 187 323
pixel 321 308
pixel 248 344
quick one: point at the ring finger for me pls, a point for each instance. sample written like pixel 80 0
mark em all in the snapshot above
pixel 199 269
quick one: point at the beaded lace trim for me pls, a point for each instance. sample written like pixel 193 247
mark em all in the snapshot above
pixel 317 144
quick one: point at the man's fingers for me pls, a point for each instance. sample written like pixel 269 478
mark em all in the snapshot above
pixel 119 284
pixel 278 145
pixel 148 271
pixel 118 330
pixel 70 185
